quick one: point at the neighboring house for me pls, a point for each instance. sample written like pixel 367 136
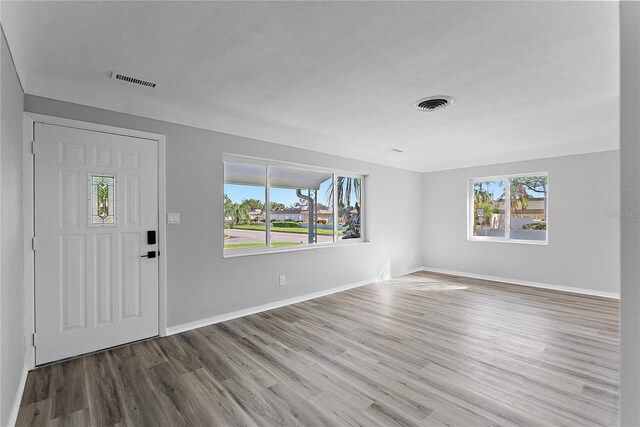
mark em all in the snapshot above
pixel 288 215
pixel 254 215
pixel 326 214
pixel 300 215
pixel 535 208
pixel 534 212
pixel 257 215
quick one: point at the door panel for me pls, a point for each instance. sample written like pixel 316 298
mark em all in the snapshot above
pixel 73 273
pixel 102 267
pixel 96 196
pixel 130 274
pixel 132 200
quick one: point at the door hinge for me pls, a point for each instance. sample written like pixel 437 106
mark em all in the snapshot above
pixel 33 148
pixel 34 339
pixel 33 243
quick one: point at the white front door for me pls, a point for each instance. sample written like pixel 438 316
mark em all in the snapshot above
pixel 96 197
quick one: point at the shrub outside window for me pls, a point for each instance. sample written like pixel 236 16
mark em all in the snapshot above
pixel 303 211
pixel 509 208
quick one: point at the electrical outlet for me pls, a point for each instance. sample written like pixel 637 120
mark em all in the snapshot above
pixel 282 280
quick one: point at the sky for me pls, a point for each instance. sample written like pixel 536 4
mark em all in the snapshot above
pixel 494 188
pixel 280 195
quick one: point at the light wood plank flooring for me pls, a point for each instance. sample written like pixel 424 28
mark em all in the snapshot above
pixel 424 349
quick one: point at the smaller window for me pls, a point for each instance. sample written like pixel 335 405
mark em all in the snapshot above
pixel 509 208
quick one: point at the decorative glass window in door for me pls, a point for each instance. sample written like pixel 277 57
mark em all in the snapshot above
pixel 102 200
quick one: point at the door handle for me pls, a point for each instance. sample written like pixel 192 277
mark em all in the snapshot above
pixel 150 254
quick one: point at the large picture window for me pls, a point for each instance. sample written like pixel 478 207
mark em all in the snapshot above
pixel 302 210
pixel 509 208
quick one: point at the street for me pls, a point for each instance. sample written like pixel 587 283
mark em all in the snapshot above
pixel 254 236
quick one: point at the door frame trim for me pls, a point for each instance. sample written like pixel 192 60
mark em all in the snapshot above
pixel 30 119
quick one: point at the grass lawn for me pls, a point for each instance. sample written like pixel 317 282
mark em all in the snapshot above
pixel 321 231
pixel 249 245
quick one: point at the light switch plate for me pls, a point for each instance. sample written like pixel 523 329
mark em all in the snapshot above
pixel 173 218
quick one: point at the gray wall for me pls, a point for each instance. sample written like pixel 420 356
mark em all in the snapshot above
pixel 201 283
pixel 12 353
pixel 584 235
pixel 630 190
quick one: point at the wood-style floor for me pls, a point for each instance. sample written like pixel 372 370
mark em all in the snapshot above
pixel 424 349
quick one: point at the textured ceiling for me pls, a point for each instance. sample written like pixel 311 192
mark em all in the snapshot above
pixel 530 79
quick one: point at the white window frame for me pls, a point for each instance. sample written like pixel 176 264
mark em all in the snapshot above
pixel 507 211
pixel 268 164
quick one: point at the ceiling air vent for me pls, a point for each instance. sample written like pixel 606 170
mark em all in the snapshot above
pixel 432 103
pixel 130 79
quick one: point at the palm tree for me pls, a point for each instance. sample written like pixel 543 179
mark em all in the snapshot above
pixel 347 188
pixel 239 214
pixel 519 196
pixel 480 195
pixel 227 205
pixel 483 200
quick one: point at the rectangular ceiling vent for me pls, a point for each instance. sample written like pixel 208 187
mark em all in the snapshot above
pixel 129 79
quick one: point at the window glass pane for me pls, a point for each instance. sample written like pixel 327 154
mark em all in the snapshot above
pixel 488 208
pixel 349 201
pixel 528 207
pixel 244 210
pixel 102 201
pixel 301 209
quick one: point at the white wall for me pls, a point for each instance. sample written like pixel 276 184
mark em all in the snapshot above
pixel 583 250
pixel 201 283
pixel 12 352
pixel 630 190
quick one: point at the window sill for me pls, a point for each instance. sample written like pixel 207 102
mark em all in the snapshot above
pixel 498 240
pixel 266 251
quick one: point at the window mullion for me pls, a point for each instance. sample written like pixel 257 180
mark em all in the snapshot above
pixel 363 216
pixel 471 214
pixel 335 209
pixel 267 206
pixel 507 209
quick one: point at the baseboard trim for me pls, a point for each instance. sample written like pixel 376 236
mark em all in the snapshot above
pixel 411 270
pixel 13 416
pixel 171 330
pixel 508 281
